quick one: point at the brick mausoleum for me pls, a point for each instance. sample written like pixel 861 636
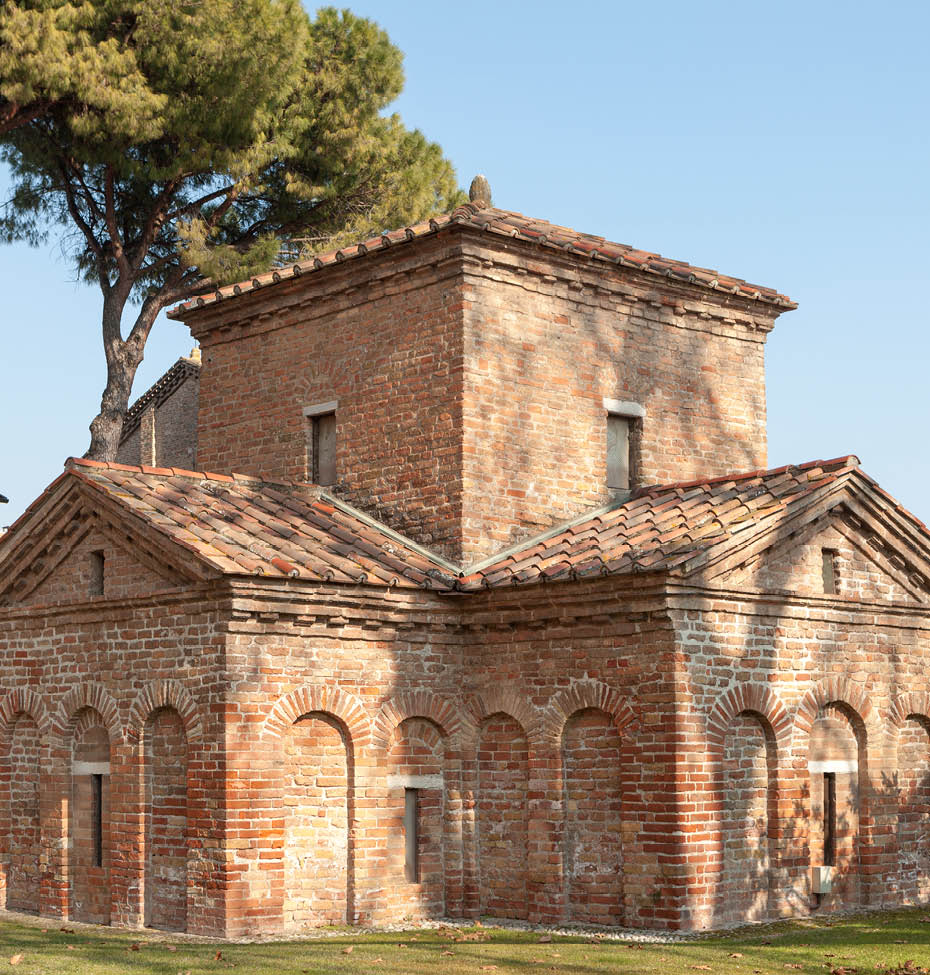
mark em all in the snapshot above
pixel 486 606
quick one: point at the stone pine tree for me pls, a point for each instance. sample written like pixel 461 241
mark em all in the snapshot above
pixel 55 54
pixel 185 142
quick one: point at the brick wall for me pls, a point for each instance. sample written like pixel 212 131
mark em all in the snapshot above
pixel 316 798
pixel 470 376
pixel 501 816
pixel 22 747
pixel 123 575
pixel 547 340
pixel 166 840
pixel 170 428
pixel 593 803
pixel 89 877
pixel 89 675
pixel 638 744
pixel 387 344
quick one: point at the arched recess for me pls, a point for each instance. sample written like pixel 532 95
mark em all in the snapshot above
pixel 318 764
pixel 588 723
pixel 502 764
pixel 442 711
pixel 416 763
pixel 24 723
pixel 748 732
pixel 581 695
pixel 833 727
pixel 592 804
pixel 341 704
pixel 910 723
pixel 89 737
pixel 170 694
pixel 166 764
pixel 86 695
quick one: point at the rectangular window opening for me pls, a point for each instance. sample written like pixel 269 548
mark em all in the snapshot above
pixel 411 836
pixel 321 443
pixel 619 440
pixel 96 812
pixel 828 557
pixel 97 561
pixel 829 819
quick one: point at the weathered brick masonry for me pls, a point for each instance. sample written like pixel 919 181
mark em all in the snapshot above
pixel 240 704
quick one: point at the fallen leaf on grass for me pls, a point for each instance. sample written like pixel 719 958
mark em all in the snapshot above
pixel 489 968
pixel 67 930
pixel 171 947
pixel 545 939
pixel 134 946
pixel 843 971
pixel 792 964
pixel 349 950
pixel 70 947
pixel 377 961
pixel 702 968
pixel 447 952
pixel 16 959
pixel 218 956
pixel 736 954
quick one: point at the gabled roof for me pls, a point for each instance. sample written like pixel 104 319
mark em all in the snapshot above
pixel 506 223
pixel 187 367
pixel 697 526
pixel 239 525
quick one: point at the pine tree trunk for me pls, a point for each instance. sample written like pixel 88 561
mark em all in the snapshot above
pixel 123 359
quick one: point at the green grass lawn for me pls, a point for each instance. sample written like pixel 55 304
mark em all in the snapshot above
pixel 897 942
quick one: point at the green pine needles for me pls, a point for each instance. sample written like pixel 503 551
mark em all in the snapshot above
pixel 177 144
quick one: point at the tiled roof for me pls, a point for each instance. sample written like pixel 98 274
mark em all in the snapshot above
pixel 159 391
pixel 505 223
pixel 667 528
pixel 244 526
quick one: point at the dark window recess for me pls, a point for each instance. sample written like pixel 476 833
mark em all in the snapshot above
pixel 619 429
pixel 96 813
pixel 323 448
pixel 96 573
pixel 829 819
pixel 411 836
pixel 828 557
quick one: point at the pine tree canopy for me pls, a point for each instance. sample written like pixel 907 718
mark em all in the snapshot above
pixel 176 144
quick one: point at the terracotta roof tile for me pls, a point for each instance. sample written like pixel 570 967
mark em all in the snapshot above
pixel 664 527
pixel 244 525
pixel 509 224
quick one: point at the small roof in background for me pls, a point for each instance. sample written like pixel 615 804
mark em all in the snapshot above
pixel 187 367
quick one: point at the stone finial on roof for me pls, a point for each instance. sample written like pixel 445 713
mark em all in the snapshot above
pixel 480 191
pixel 195 354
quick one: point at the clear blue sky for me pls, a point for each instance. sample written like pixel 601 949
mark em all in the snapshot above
pixel 784 143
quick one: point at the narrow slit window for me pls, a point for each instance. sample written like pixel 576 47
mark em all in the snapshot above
pixel 829 819
pixel 618 452
pixel 97 562
pixel 411 836
pixel 96 813
pixel 828 561
pixel 321 443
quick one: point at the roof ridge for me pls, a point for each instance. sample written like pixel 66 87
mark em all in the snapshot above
pixel 159 391
pixel 509 223
pixel 849 460
pixel 235 478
